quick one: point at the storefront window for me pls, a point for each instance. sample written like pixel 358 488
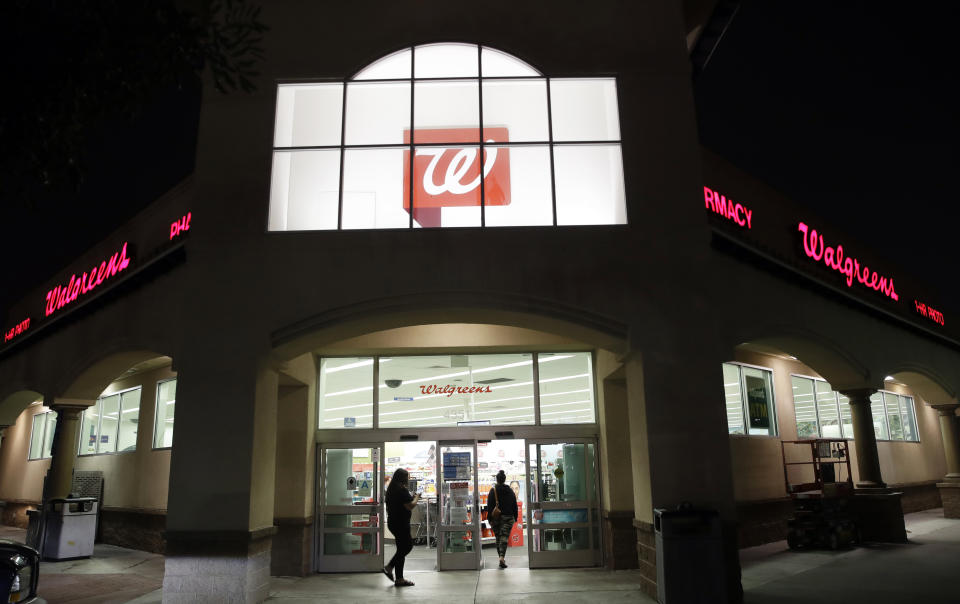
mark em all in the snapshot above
pixel 893 414
pixel 346 392
pixel 41 436
pixel 110 425
pixel 894 422
pixel 846 417
pixel 750 388
pixel 879 416
pixel 733 399
pixel 566 388
pixel 805 408
pixel 909 419
pixel 456 390
pixel 88 429
pixel 448 390
pixel 458 157
pixel 828 411
pixel 166 409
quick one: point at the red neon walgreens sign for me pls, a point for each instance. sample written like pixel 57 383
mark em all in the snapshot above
pixel 63 295
pixel 815 249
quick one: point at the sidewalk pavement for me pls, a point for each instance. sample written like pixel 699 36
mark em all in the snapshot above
pixel 923 570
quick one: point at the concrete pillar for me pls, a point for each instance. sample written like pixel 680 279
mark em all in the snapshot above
pixel 680 451
pixel 222 474
pixel 950 486
pixel 619 533
pixel 865 439
pixel 295 468
pixel 879 510
pixel 65 441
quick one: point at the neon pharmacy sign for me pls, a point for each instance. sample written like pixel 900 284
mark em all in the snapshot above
pixel 815 249
pixel 718 203
pixel 63 295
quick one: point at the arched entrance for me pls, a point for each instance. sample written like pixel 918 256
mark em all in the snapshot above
pixel 513 390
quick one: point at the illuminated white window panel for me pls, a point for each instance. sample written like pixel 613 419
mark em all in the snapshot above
pixel 442 104
pixel 584 109
pixel 500 64
pixel 370 198
pixel 305 190
pixel 520 106
pixel 309 115
pixel 446 61
pixel 531 198
pixel 378 113
pixel 394 66
pixel 589 181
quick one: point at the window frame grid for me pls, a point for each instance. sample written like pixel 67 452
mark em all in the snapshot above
pixel 409 147
pixel 156 405
pixel 99 400
pixel 775 420
pixel 881 392
pixel 536 388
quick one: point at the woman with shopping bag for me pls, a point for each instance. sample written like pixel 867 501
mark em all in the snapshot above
pixel 502 513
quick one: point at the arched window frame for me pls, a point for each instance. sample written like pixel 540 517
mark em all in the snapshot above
pixel 575 212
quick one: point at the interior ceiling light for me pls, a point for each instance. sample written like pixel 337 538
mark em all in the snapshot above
pixel 889 378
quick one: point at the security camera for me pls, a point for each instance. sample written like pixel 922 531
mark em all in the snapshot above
pixel 393 383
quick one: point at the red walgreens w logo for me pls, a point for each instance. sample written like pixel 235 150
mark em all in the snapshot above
pixel 445 177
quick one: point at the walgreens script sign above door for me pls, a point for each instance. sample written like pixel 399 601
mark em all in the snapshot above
pixel 447 175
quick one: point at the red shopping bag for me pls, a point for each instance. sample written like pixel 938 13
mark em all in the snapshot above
pixel 516 535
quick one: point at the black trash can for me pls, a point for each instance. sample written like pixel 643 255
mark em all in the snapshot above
pixel 690 567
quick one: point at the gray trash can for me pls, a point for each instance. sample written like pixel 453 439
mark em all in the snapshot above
pixel 690 567
pixel 70 528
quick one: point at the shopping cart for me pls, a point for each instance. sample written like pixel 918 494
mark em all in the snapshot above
pixel 425 517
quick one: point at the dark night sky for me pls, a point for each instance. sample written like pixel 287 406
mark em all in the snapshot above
pixel 847 110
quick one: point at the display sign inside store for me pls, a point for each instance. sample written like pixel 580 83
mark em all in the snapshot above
pixel 445 177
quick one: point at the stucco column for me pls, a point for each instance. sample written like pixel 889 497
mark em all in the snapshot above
pixel 865 439
pixel 64 451
pixel 950 486
pixel 222 474
pixel 951 439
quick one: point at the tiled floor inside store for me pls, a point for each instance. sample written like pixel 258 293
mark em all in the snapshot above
pixel 923 570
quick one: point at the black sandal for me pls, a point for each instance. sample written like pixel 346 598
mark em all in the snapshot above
pixel 404 583
pixel 388 573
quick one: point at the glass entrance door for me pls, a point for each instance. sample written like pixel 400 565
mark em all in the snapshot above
pixel 564 526
pixel 458 534
pixel 351 506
